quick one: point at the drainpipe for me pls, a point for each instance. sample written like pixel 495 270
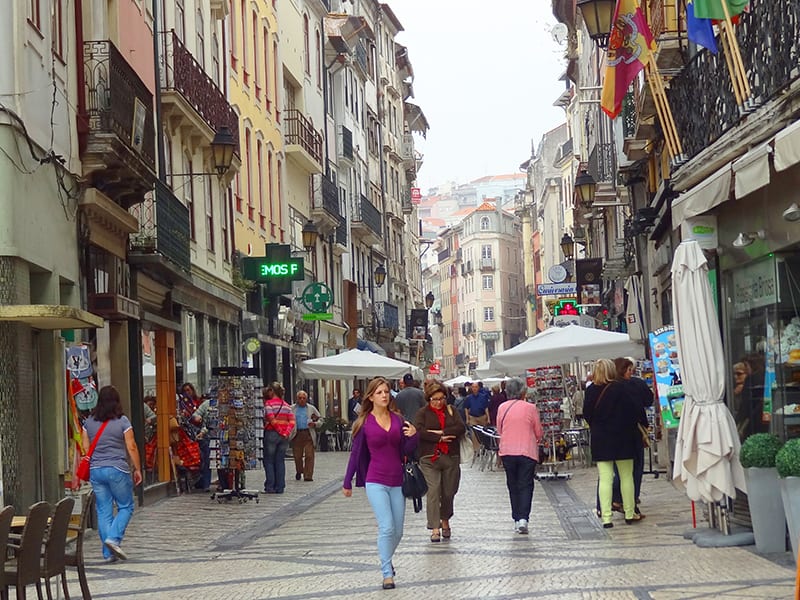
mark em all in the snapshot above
pixel 162 176
pixel 82 124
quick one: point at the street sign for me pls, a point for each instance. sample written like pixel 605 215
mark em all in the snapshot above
pixel 317 316
pixel 556 289
pixel 277 269
pixel 317 297
pixel 416 195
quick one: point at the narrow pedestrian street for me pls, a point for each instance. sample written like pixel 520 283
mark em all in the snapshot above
pixel 312 542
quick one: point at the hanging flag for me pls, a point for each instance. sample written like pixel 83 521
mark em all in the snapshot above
pixel 629 47
pixel 712 9
pixel 700 31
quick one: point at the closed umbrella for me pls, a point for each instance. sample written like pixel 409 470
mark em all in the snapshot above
pixel 707 446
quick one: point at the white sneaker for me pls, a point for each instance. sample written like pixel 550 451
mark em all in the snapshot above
pixel 523 526
pixel 516 526
pixel 115 549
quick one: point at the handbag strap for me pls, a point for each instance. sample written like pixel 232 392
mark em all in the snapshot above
pixel 603 393
pixel 96 439
pixel 505 414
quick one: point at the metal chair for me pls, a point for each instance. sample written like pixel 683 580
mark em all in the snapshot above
pixel 55 545
pixel 73 557
pixel 489 441
pixel 25 569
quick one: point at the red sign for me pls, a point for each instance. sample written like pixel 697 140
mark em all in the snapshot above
pixel 416 195
pixel 435 369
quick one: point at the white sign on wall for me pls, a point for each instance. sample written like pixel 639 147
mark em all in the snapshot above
pixel 703 229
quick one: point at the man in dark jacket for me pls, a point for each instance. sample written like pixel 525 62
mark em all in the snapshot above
pixel 410 399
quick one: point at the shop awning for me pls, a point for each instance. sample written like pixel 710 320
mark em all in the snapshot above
pixel 787 147
pixel 751 171
pixel 416 119
pixel 715 190
pixel 48 316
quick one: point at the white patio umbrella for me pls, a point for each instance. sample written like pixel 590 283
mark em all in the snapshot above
pixel 459 380
pixel 707 446
pixel 485 370
pixel 356 363
pixel 560 345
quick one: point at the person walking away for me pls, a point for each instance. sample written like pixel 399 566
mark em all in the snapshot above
pixel 110 472
pixel 476 407
pixel 410 399
pixel 461 398
pixel 498 397
pixel 306 417
pixel 354 406
pixel 643 396
pixel 520 430
pixel 278 425
pixel 439 428
pixel 381 440
pixel 612 415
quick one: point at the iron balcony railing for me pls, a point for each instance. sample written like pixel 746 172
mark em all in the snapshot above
pixel 602 164
pixel 769 38
pixel 301 132
pixel 443 255
pixel 629 116
pixel 117 100
pixel 330 198
pixel 182 73
pixel 347 143
pixel 369 216
pixel 163 227
pixel 341 234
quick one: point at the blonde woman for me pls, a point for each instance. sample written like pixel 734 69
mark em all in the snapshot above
pixel 612 415
pixel 381 438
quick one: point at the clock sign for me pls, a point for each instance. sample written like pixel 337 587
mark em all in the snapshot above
pixel 557 273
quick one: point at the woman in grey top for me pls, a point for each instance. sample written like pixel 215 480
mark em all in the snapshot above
pixel 110 473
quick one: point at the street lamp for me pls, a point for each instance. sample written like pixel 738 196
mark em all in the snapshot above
pixel 585 187
pixel 429 298
pixel 222 148
pixel 380 275
pixel 567 246
pixel 310 235
pixel 598 15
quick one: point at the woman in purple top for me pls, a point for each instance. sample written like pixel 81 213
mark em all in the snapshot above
pixel 380 441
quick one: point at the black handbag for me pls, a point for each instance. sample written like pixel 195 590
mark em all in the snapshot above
pixel 414 484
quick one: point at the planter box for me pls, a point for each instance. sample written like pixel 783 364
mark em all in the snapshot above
pixel 790 490
pixel 766 509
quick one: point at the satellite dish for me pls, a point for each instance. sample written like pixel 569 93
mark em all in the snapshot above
pixel 559 33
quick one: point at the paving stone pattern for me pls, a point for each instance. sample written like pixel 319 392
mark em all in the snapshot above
pixel 311 542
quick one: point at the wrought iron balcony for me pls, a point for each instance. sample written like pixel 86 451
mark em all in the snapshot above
pixel 487 264
pixel 367 221
pixel 190 92
pixel 303 142
pixel 325 206
pixel 769 38
pixel 602 164
pixel 347 143
pixel 340 237
pixel 163 238
pixel 443 255
pixel 117 127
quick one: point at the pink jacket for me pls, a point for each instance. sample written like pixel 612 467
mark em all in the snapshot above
pixel 520 429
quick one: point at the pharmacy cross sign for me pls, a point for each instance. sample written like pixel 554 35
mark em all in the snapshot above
pixel 317 297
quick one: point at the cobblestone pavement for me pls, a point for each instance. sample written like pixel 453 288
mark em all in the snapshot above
pixel 311 542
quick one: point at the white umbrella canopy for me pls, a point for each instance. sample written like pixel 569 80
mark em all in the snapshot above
pixel 459 380
pixel 356 363
pixel 485 370
pixel 560 345
pixel 707 446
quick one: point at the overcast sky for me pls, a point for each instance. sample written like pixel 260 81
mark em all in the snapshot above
pixel 486 75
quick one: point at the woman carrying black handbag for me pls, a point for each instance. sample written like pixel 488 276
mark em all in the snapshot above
pixel 381 440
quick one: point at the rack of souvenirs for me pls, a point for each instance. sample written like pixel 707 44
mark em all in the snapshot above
pixel 546 385
pixel 235 417
pixel 644 370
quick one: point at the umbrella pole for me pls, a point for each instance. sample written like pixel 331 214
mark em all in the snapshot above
pixel 694 516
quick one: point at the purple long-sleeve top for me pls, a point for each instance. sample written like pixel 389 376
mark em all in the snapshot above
pixel 377 454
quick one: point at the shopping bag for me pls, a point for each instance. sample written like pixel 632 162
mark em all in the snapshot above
pixel 465 448
pixel 82 472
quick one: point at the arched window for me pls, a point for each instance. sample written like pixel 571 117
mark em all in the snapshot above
pixel 486 223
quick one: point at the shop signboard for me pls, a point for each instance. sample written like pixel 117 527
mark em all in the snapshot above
pixel 588 273
pixel 416 195
pixel 666 366
pixel 556 289
pixel 703 229
pixel 755 286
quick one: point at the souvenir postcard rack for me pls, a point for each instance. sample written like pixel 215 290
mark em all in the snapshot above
pixel 235 417
pixel 549 391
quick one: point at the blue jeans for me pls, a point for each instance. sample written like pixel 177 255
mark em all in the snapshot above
pixel 519 481
pixel 275 447
pixel 205 464
pixel 389 507
pixel 112 486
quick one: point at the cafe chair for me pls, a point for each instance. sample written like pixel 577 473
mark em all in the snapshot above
pixel 6 515
pixel 55 545
pixel 74 554
pixel 25 569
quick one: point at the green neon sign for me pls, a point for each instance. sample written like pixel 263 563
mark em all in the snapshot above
pixel 268 270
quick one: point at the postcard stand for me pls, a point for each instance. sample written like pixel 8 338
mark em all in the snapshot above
pixel 549 392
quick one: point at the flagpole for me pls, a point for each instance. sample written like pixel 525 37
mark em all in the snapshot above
pixel 668 121
pixel 661 113
pixel 737 56
pixel 734 72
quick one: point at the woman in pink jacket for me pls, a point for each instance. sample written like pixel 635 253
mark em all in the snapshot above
pixel 520 431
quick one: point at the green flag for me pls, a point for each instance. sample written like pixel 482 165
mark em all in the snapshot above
pixel 712 9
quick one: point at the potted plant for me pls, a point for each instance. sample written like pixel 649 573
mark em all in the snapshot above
pixel 763 491
pixel 787 462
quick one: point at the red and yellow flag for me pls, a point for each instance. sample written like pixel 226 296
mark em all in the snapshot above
pixel 629 47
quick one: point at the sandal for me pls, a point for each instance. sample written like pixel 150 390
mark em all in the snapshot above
pixel 446 533
pixel 436 537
